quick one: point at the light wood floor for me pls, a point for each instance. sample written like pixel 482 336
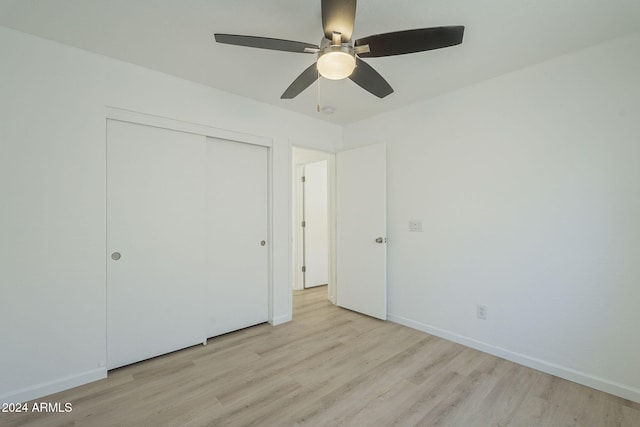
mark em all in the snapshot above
pixel 331 367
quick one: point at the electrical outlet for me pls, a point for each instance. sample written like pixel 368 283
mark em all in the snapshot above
pixel 481 311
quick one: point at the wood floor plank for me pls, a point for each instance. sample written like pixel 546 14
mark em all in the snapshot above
pixel 331 367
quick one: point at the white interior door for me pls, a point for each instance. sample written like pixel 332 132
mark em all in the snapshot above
pixel 156 222
pixel 316 230
pixel 238 244
pixel 361 230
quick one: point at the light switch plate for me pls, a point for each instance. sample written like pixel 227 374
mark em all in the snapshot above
pixel 415 225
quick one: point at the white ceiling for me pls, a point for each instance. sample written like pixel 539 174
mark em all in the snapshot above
pixel 176 37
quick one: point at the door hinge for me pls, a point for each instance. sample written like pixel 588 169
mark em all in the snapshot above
pixel 304 269
pixel 304 224
pixel 303 179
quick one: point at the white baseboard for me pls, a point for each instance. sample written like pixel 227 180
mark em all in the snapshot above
pixel 278 320
pixel 44 389
pixel 598 383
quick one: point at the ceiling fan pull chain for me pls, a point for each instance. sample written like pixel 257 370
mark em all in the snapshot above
pixel 318 105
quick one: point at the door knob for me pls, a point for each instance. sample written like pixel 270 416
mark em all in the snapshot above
pixel 262 243
pixel 379 240
pixel 116 256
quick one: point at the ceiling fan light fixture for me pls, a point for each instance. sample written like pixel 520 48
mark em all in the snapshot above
pixel 338 55
pixel 336 62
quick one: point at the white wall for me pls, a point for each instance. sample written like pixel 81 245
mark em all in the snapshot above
pixel 52 212
pixel 528 186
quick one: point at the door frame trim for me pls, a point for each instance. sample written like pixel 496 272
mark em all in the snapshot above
pixel 123 115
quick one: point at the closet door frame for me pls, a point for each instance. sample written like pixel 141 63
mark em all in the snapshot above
pixel 113 113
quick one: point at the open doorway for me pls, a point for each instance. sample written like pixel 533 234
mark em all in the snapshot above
pixel 313 225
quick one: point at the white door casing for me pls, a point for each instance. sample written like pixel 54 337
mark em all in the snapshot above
pixel 362 230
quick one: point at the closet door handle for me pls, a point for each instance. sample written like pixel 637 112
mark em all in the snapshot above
pixel 116 256
pixel 262 243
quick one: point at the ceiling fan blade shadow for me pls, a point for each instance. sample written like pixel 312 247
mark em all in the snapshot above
pixel 338 16
pixel 370 80
pixel 265 43
pixel 302 82
pixel 411 41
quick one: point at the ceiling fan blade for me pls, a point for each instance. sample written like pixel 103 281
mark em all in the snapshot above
pixel 410 41
pixel 370 80
pixel 266 43
pixel 302 82
pixel 338 16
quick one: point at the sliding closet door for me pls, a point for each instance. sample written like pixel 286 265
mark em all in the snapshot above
pixel 156 241
pixel 237 234
pixel 187 239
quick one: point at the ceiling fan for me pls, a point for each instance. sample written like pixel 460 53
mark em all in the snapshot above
pixel 339 58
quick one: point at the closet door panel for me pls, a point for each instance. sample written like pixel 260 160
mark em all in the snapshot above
pixel 156 224
pixel 237 235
